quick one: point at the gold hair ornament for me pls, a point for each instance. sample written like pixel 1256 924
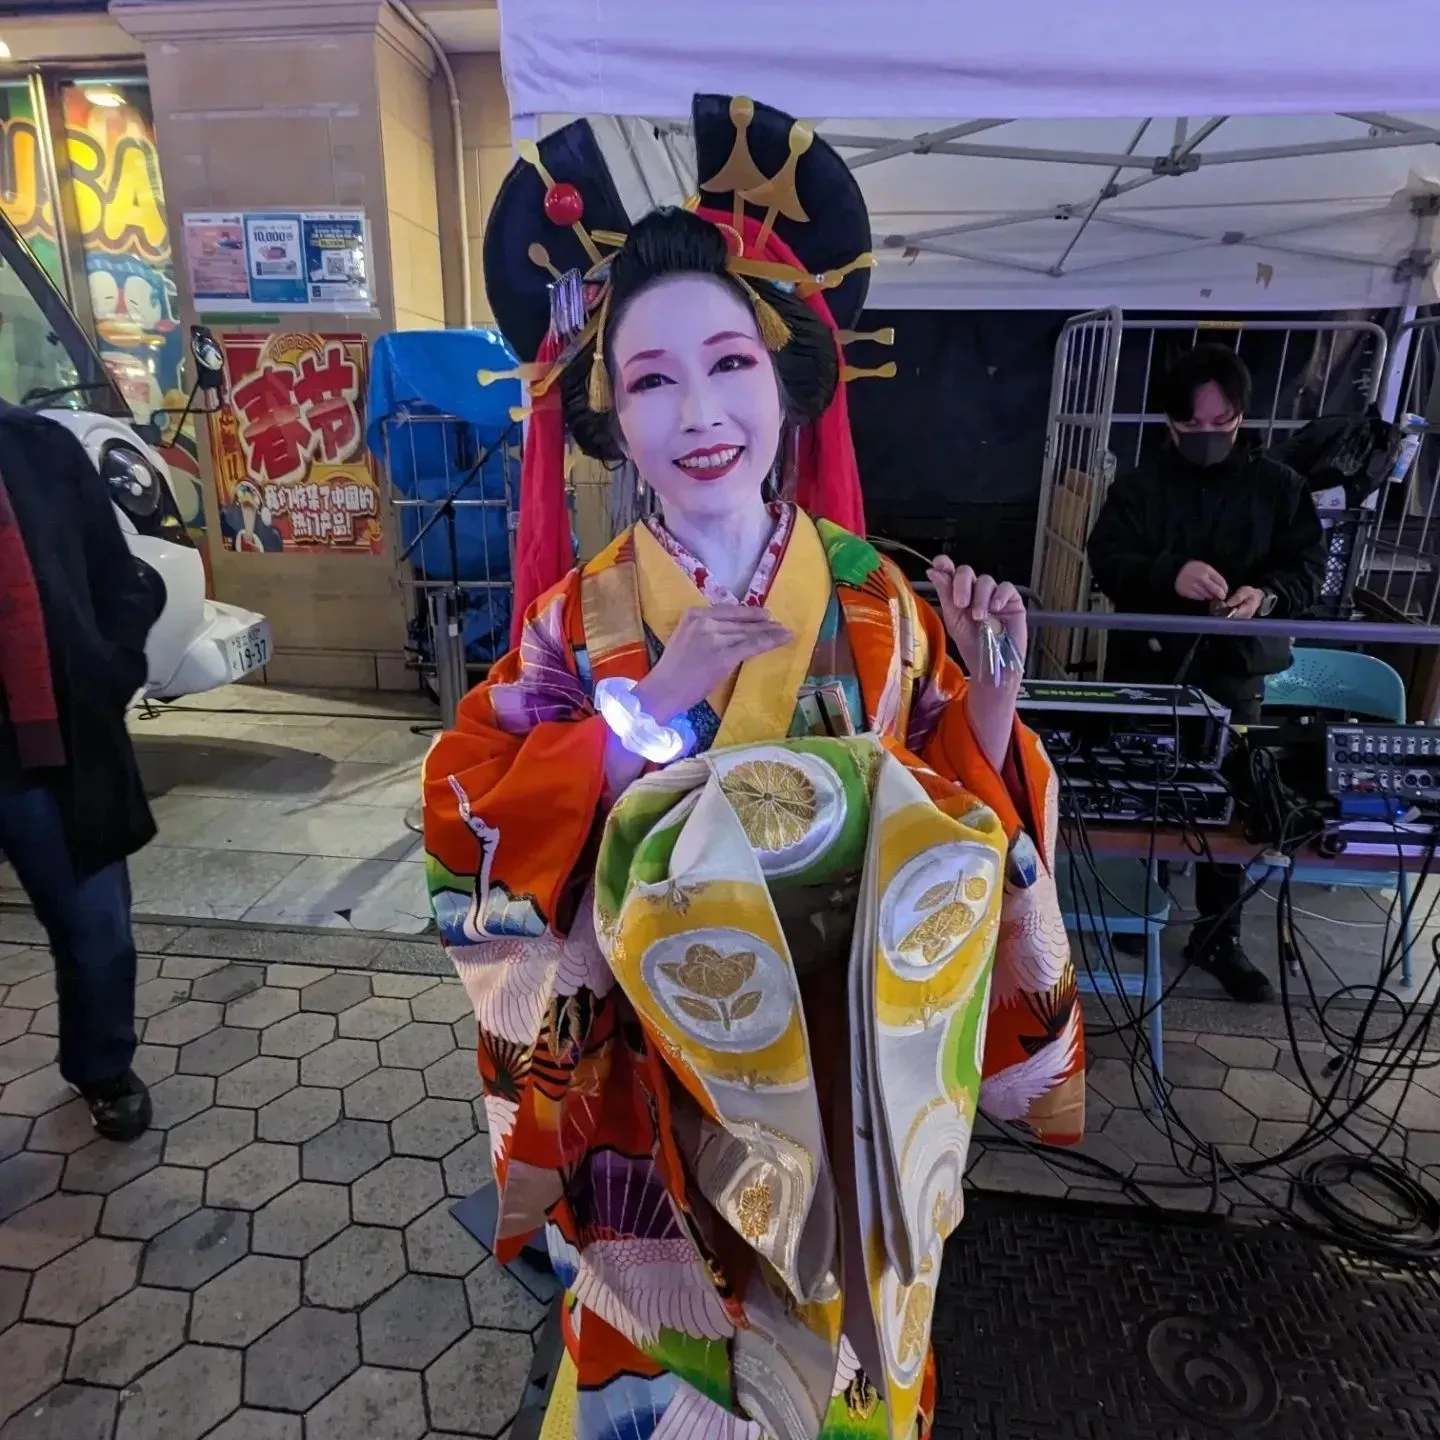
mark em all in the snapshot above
pixel 602 398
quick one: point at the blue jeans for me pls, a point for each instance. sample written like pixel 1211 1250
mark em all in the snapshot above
pixel 88 922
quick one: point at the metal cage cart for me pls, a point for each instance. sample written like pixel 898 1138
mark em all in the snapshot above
pixel 450 449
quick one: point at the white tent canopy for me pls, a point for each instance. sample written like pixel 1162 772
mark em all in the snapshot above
pixel 1274 155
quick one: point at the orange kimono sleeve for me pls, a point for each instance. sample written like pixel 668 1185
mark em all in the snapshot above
pixel 511 799
pixel 1034 1071
pixel 511 793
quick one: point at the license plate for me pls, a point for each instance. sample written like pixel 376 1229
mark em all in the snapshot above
pixel 247 652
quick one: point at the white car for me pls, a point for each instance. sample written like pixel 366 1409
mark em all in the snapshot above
pixel 48 363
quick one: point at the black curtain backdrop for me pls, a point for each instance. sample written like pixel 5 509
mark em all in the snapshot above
pixel 951 451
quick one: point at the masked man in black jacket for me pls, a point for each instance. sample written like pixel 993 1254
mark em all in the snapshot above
pixel 74 617
pixel 1213 526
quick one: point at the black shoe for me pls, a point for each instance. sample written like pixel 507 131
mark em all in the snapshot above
pixel 1224 958
pixel 120 1110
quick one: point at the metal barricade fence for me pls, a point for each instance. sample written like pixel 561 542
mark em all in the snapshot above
pixel 1402 563
pixel 1302 369
pixel 456 517
pixel 1077 474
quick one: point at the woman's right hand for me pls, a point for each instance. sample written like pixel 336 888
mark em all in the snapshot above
pixel 709 644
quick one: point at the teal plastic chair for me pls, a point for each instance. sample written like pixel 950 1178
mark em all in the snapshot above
pixel 1118 888
pixel 1354 684
pixel 1340 680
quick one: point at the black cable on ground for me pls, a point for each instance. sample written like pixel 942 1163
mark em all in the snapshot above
pixel 1412 1234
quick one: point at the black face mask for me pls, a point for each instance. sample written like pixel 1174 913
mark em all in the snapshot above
pixel 1204 448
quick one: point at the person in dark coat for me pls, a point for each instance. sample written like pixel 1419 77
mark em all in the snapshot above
pixel 1212 526
pixel 74 617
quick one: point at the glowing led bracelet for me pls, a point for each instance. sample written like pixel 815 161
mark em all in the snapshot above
pixel 639 733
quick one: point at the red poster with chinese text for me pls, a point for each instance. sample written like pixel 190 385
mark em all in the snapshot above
pixel 292 471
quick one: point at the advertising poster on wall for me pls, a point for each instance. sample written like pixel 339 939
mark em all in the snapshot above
pixel 306 260
pixel 292 471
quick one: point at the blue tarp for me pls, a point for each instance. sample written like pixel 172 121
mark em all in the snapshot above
pixel 429 423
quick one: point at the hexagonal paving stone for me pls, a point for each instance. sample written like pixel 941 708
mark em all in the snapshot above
pixel 374 1019
pixel 68 1412
pixel 396 1192
pixel 197 1249
pixel 34 1363
pixel 219 1052
pixel 354 1267
pixel 240 1305
pixel 247 1424
pixel 414 1322
pixel 301 1359
pixel 438 1244
pixel 178 1098
pixel 75 1286
pixel 183 1398
pixel 339 1063
pixel 13 1023
pixel 335 993
pixel 125 1338
pixel 152 1203
pixel 445 1004
pixel 258 1081
pixel 31 994
pixel 62 1131
pixel 498 1301
pixel 476 1386
pixel 467 1033
pixel 210 1137
pixel 229 983
pixel 24 1056
pixel 298 1035
pixel 154 997
pixel 346 1151
pixel 416 1046
pixel 1245 1051
pixel 152 1063
pixel 186 1022
pixel 468 1168
pixel 433 1128
pixel 252 1176
pixel 1268 1095
pixel 299 1115
pixel 36 1235
pixel 1213 1116
pixel 105 1165
pixel 26 1178
pixel 377 1404
pixel 455 1077
pixel 389 985
pixel 302 1219
pixel 191 967
pixel 13 1284
pixel 265 1006
pixel 13 1132
pixel 35 1094
pixel 383 1094
pixel 296 977
pixel 45 1021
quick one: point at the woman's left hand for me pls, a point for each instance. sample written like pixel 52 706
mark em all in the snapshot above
pixel 968 601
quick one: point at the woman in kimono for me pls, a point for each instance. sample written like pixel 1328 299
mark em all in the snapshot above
pixel 750 885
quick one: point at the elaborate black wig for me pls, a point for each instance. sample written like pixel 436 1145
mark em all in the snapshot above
pixel 672 241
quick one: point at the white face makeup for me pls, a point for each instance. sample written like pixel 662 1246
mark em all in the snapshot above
pixel 695 395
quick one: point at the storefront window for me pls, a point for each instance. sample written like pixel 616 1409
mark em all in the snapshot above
pixel 109 176
pixel 25 193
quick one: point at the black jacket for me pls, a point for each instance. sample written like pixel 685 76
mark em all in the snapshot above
pixel 1251 518
pixel 98 613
